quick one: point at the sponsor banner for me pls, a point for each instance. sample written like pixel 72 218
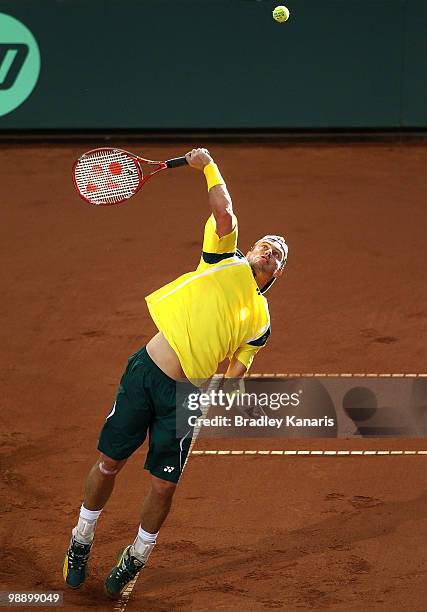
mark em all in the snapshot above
pixel 305 407
pixel 113 65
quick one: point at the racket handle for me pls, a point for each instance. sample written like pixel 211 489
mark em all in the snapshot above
pixel 176 161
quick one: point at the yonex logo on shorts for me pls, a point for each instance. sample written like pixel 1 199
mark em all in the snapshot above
pixel 168 468
pixel 19 63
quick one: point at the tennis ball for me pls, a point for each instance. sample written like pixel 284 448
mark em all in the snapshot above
pixel 281 14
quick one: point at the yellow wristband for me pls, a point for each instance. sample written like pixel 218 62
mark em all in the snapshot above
pixel 213 175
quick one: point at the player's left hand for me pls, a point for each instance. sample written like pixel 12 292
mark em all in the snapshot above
pixel 198 158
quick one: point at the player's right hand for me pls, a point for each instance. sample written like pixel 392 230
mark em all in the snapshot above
pixel 198 158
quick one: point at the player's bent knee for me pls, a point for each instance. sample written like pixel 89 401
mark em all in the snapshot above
pixel 164 488
pixel 110 467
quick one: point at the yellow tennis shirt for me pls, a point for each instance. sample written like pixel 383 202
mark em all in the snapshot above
pixel 215 312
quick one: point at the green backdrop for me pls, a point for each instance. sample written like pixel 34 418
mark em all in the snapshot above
pixel 191 64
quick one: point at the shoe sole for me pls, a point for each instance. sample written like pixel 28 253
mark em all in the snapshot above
pixel 111 596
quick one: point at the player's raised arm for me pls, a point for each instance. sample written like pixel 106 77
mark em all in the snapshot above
pixel 219 198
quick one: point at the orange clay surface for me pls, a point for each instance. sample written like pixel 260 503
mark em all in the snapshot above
pixel 246 532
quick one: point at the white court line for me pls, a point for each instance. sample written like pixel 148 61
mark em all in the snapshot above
pixel 336 375
pixel 322 453
pixel 124 598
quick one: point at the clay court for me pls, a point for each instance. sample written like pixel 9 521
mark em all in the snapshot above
pixel 248 531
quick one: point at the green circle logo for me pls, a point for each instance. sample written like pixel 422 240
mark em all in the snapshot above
pixel 19 63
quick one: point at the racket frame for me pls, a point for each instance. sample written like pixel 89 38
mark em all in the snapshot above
pixel 162 165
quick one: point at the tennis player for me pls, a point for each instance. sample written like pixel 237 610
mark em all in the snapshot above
pixel 203 317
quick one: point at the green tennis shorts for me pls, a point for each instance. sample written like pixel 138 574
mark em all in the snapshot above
pixel 146 401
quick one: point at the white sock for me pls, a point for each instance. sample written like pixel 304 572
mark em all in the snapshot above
pixel 144 544
pixel 84 531
pixel 147 538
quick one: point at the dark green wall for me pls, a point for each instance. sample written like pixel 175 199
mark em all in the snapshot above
pixel 225 64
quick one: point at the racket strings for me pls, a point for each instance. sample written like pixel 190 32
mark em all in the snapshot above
pixel 107 177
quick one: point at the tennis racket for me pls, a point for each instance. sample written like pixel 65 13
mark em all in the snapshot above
pixel 106 176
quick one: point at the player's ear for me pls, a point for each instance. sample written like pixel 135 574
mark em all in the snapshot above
pixel 279 272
